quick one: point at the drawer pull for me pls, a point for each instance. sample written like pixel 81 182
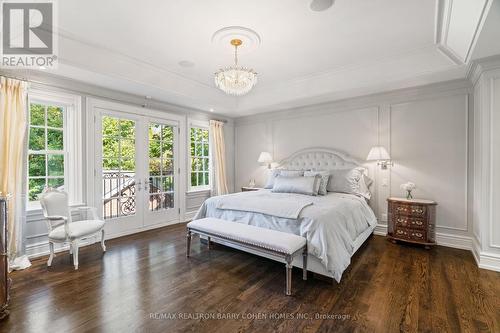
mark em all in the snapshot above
pixel 400 232
pixel 401 220
pixel 417 210
pixel 419 222
pixel 401 209
pixel 418 234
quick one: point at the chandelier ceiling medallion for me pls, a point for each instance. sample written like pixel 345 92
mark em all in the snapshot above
pixel 235 80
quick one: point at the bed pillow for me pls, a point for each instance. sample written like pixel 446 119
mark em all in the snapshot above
pixel 323 179
pixel 272 174
pixel 364 187
pixel 291 173
pixel 345 181
pixel 317 184
pixel 300 185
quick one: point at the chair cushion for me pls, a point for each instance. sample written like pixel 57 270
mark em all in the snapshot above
pixel 77 229
pixel 248 234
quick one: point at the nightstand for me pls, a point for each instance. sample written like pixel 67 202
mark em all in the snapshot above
pixel 412 221
pixel 248 189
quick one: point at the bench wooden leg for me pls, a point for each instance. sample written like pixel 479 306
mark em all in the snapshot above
pixel 304 262
pixel 188 243
pixel 288 290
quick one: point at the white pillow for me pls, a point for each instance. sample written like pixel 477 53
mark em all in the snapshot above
pixel 317 184
pixel 273 173
pixel 345 181
pixel 323 177
pixel 364 187
pixel 300 185
pixel 368 180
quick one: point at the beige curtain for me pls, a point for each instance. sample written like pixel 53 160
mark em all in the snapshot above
pixel 13 117
pixel 218 152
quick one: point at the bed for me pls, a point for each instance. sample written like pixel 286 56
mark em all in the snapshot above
pixel 335 225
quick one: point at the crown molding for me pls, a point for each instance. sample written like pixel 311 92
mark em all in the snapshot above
pixel 429 91
pixel 293 98
pixel 122 56
pixel 478 67
pixel 171 84
pixel 418 66
pixel 51 82
pixel 354 66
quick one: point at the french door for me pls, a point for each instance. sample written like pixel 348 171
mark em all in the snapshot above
pixel 136 171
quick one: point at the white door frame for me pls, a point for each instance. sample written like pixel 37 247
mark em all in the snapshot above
pixel 93 105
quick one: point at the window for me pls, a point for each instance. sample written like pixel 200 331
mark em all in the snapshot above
pixel 46 154
pixel 200 158
pixel 54 156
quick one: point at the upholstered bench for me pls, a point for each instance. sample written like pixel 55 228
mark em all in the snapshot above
pixel 280 245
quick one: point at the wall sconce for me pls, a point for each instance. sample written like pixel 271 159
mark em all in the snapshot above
pixel 380 154
pixel 265 158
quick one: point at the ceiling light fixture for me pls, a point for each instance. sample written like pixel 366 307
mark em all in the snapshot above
pixel 234 80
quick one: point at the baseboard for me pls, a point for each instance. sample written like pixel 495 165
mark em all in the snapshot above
pixel 188 216
pixel 142 229
pixel 455 241
pixel 380 229
pixel 42 248
pixel 485 260
pixel 476 250
pixel 489 261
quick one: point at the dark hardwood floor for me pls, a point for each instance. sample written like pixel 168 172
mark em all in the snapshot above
pixel 145 283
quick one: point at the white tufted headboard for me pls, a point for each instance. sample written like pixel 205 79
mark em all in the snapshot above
pixel 320 159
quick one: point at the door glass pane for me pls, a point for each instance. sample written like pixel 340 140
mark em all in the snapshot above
pixel 161 167
pixel 118 167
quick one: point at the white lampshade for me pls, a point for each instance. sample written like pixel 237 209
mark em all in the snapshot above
pixel 265 157
pixel 378 153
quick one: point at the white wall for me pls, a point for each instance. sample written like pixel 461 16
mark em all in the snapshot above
pixel 486 200
pixel 425 130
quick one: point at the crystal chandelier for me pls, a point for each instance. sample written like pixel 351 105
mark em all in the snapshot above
pixel 234 80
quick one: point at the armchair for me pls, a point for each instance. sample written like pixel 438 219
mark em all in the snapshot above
pixel 62 229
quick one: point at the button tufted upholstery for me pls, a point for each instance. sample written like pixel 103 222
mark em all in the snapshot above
pixel 321 159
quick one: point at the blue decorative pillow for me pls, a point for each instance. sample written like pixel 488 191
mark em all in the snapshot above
pixel 324 176
pixel 300 185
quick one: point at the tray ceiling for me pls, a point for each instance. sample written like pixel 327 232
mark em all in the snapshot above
pixel 304 57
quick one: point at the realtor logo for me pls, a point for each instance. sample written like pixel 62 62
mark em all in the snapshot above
pixel 28 38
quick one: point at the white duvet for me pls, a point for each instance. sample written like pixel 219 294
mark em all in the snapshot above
pixel 330 225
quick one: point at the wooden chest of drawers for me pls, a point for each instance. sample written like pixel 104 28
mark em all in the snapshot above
pixel 411 221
